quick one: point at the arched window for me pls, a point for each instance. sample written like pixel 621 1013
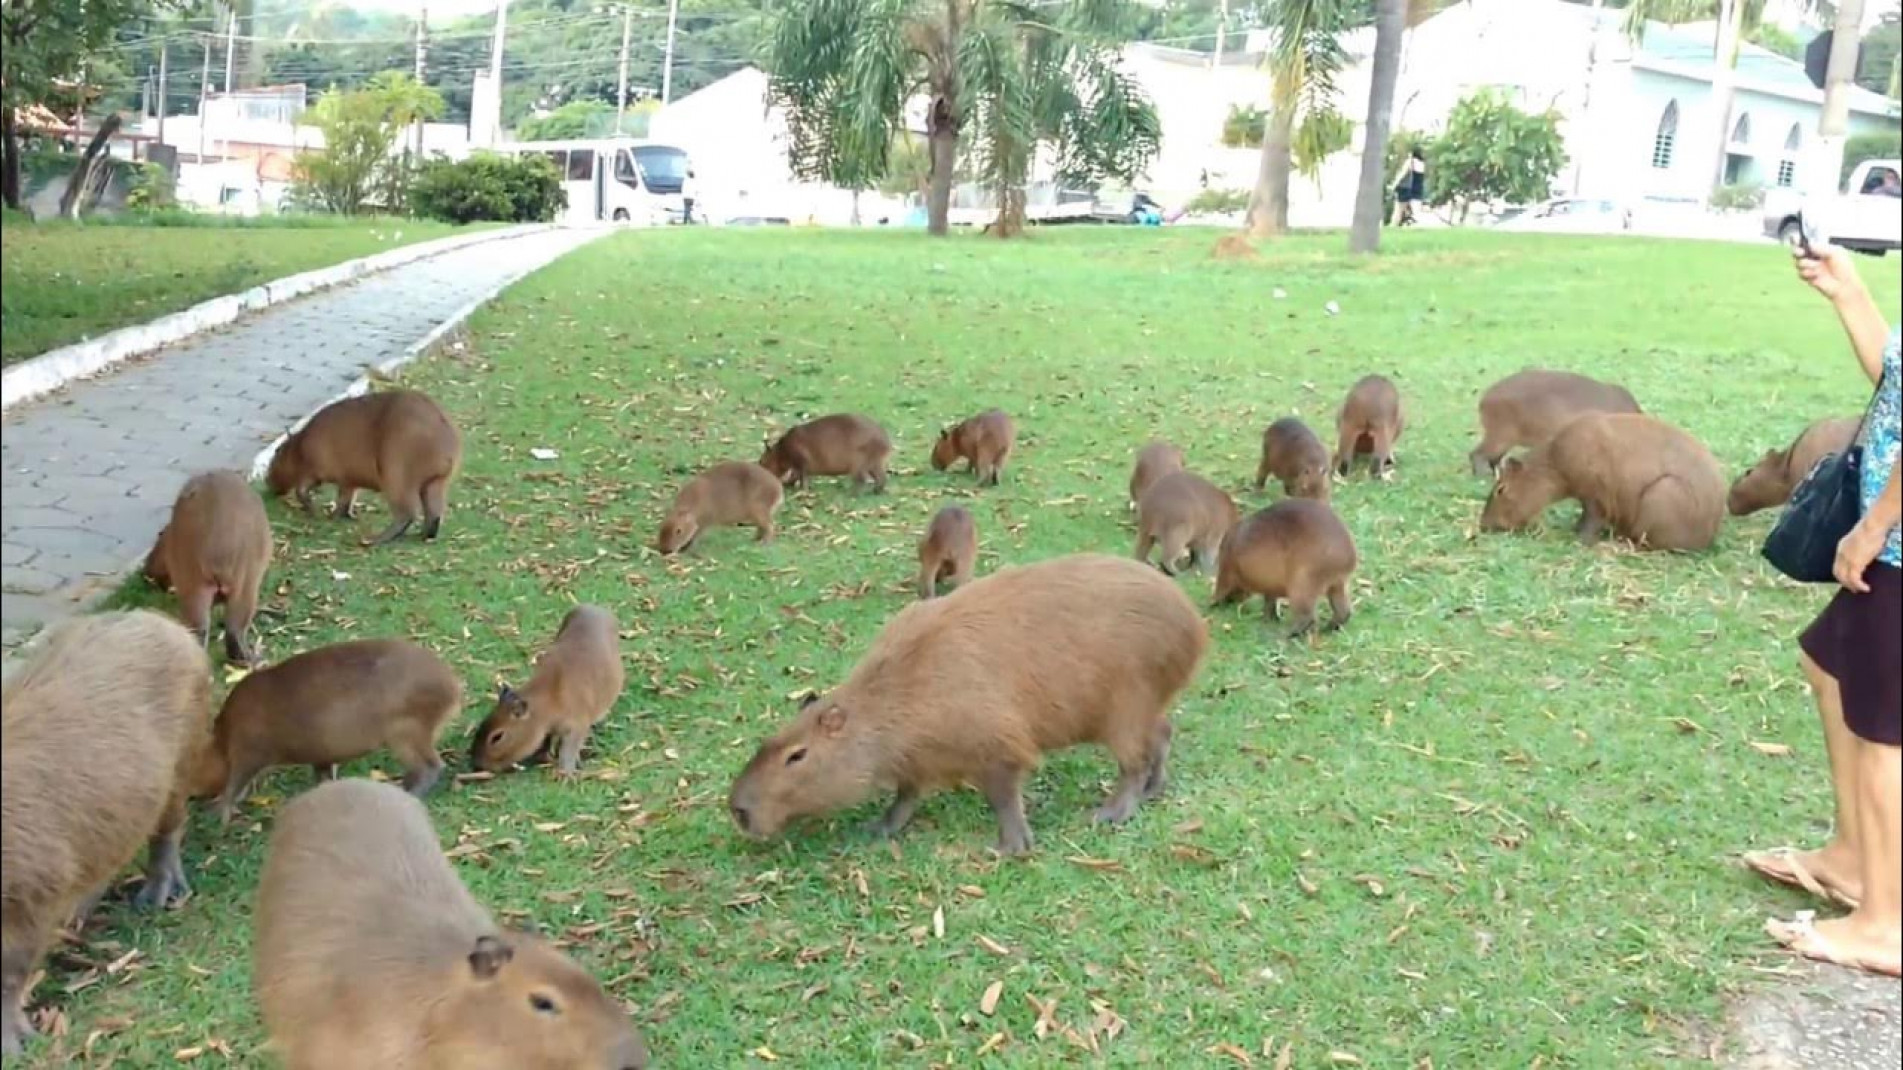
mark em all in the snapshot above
pixel 1666 139
pixel 1787 167
pixel 1741 132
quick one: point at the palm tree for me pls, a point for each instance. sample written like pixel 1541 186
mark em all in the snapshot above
pixel 1303 61
pixel 1390 25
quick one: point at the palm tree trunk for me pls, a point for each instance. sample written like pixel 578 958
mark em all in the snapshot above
pixel 1268 205
pixel 1390 24
pixel 942 136
pixel 1010 221
pixel 1725 55
pixel 10 190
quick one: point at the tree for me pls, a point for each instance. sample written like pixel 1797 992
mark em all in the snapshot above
pixel 1303 62
pixel 356 169
pixel 1492 151
pixel 1390 24
pixel 577 118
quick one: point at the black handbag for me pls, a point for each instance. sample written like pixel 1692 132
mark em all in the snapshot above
pixel 1825 506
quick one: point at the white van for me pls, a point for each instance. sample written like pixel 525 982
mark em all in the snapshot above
pixel 617 179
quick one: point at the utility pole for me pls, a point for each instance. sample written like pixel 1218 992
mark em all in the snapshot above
pixel 1585 102
pixel 231 42
pixel 1723 73
pixel 621 80
pixel 164 54
pixel 667 60
pixel 204 86
pixel 422 51
pixel 495 67
pixel 1839 77
pixel 1222 36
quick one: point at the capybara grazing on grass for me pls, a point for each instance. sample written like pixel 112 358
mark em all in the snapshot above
pixel 370 952
pixel 98 734
pixel 1184 513
pixel 332 705
pixel 985 441
pixel 216 548
pixel 1296 550
pixel 1295 457
pixel 398 443
pixel 1771 481
pixel 738 493
pixel 1529 407
pixel 1644 479
pixel 843 444
pixel 1154 461
pixel 949 551
pixel 1370 423
pixel 575 684
pixel 976 686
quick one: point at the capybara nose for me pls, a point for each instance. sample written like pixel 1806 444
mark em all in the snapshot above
pixel 742 818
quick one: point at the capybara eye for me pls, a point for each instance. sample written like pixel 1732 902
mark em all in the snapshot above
pixel 796 756
pixel 541 1004
pixel 495 739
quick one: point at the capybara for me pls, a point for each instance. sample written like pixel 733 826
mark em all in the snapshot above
pixel 1529 407
pixel 843 444
pixel 398 443
pixel 976 686
pixel 1234 247
pixel 216 548
pixel 331 705
pixel 574 685
pixel 1370 423
pixel 985 441
pixel 1296 550
pixel 1185 513
pixel 1294 456
pixel 98 733
pixel 949 550
pixel 1154 461
pixel 1648 481
pixel 1771 481
pixel 371 952
pixel 735 493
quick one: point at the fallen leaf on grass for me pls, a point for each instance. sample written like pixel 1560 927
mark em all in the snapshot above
pixel 993 946
pixel 1344 1058
pixel 938 923
pixel 993 1044
pixel 1771 750
pixel 1686 725
pixel 1102 865
pixel 766 1053
pixel 988 1004
pixel 1233 1052
pixel 1287 1058
pixel 1308 887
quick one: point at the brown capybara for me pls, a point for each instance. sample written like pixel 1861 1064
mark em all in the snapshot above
pixel 985 441
pixel 575 683
pixel 843 444
pixel 1771 481
pixel 737 493
pixel 1647 481
pixel 1370 423
pixel 371 952
pixel 330 705
pixel 1154 461
pixel 216 548
pixel 976 686
pixel 1184 513
pixel 1296 550
pixel 398 443
pixel 1234 247
pixel 98 733
pixel 1294 456
pixel 949 551
pixel 1529 407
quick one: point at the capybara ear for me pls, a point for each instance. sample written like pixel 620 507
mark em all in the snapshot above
pixel 490 955
pixel 832 721
pixel 808 699
pixel 1511 465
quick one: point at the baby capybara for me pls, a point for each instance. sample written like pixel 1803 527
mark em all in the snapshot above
pixel 949 550
pixel 370 952
pixel 1529 407
pixel 1184 513
pixel 1154 461
pixel 843 444
pixel 398 443
pixel 1294 456
pixel 1296 550
pixel 575 684
pixel 331 705
pixel 1647 481
pixel 737 493
pixel 1771 481
pixel 215 549
pixel 1370 423
pixel 975 687
pixel 98 733
pixel 984 441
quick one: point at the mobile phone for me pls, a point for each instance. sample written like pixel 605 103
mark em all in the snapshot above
pixel 1809 236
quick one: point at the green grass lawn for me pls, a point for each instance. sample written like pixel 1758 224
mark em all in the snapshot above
pixel 64 282
pixel 1491 824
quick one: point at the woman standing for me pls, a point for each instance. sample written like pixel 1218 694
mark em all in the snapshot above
pixel 1853 655
pixel 1411 188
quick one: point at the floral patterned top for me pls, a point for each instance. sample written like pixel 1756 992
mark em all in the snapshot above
pixel 1881 437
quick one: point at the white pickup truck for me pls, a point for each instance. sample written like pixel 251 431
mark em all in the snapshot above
pixel 1867 216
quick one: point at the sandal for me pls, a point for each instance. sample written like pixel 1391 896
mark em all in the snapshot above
pixel 1781 866
pixel 1799 936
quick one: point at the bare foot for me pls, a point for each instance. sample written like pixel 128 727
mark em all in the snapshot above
pixel 1856 942
pixel 1830 872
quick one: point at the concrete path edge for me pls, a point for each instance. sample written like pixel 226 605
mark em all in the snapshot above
pixel 55 368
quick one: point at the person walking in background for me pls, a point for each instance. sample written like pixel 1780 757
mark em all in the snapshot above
pixel 1411 188
pixel 689 188
pixel 1853 655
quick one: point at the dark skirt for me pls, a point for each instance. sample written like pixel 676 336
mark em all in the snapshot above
pixel 1859 640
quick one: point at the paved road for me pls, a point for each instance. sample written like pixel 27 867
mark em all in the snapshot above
pixel 90 472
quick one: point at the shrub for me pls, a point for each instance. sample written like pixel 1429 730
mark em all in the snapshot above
pixel 1244 126
pixel 150 188
pixel 1738 197
pixel 1493 151
pixel 1219 201
pixel 486 186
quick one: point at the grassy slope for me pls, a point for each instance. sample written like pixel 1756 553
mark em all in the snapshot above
pixel 1501 741
pixel 64 283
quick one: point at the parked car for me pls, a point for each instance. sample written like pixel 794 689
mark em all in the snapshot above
pixel 1866 215
pixel 1571 215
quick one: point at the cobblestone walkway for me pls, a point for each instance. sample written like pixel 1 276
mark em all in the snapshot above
pixel 90 472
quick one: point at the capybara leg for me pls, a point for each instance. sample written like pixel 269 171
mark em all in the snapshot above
pixel 927 582
pixel 1156 777
pixel 1486 456
pixel 435 504
pixel 1262 473
pixel 422 765
pixel 1301 614
pixel 1174 547
pixel 303 495
pixel 241 607
pixel 1592 524
pixel 1345 452
pixel 899 814
pixel 346 506
pixel 1134 773
pixel 1271 607
pixel 83 910
pixel 568 756
pixel 1003 786
pixel 1382 462
pixel 997 470
pixel 237 782
pixel 16 964
pixel 324 771
pixel 1207 555
pixel 1340 609
pixel 763 526
pixel 165 881
pixel 1145 543
pixel 194 605
pixel 403 512
pixel 878 477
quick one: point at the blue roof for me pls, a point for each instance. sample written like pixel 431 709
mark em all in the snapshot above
pixel 1689 50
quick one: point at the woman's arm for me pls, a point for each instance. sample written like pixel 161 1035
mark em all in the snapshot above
pixel 1834 275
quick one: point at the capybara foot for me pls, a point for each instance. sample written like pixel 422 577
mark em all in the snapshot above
pixel 1117 810
pixel 1013 843
pixel 166 889
pixel 896 816
pixel 432 527
pixel 18 1031
pixel 391 533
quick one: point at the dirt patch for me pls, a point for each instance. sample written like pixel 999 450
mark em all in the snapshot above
pixel 1816 1016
